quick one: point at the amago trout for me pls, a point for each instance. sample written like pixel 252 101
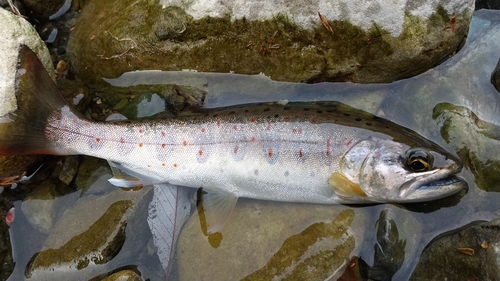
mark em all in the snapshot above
pixel 325 153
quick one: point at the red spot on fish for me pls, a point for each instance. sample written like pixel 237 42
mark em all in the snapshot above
pixel 328 118
pixel 149 166
pixel 300 153
pixel 181 124
pixel 348 125
pixel 11 214
pixel 87 123
pixel 163 145
pixel 235 128
pixel 122 140
pixel 235 149
pixel 48 134
pixel 270 153
pixel 163 134
pixel 140 144
pixel 97 139
pixel 299 131
pixel 218 123
pixel 335 121
pixel 327 152
pixel 252 139
pixel 287 119
pixel 253 120
pixel 202 130
pixel 175 165
pixel 200 152
pixel 313 120
pixel 184 143
pixel 140 131
pixel 348 143
pixel 296 116
pixel 74 120
pixel 163 164
pixel 268 127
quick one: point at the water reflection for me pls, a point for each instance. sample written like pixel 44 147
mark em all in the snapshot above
pixel 454 105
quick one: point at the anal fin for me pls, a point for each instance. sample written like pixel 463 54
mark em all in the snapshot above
pixel 216 207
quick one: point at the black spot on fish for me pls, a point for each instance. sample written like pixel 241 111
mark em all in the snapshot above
pixel 232 112
pixel 276 116
pixel 286 108
pixel 358 119
pixel 368 123
pixel 319 111
pixel 266 109
pixel 215 115
pixel 306 109
pixel 347 114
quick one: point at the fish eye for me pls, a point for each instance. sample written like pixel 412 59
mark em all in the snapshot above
pixel 418 160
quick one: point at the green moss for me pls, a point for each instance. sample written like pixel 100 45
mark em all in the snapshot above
pixel 91 245
pixel 319 265
pixel 169 39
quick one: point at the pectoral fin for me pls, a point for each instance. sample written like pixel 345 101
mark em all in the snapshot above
pixel 344 187
pixel 124 177
pixel 217 205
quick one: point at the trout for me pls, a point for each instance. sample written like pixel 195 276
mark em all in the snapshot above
pixel 327 153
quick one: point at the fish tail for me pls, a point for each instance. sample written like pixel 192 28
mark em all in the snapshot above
pixel 23 131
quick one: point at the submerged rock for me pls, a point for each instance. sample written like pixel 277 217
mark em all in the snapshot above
pixel 300 41
pixel 261 240
pixel 469 253
pixel 39 206
pixel 474 140
pixel 90 235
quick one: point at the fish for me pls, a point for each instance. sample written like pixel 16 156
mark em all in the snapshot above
pixel 323 152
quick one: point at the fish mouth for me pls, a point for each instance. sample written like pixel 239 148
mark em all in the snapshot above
pixel 441 183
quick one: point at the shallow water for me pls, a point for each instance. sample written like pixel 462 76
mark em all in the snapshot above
pixel 463 80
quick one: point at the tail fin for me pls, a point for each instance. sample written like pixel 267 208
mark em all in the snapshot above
pixel 23 131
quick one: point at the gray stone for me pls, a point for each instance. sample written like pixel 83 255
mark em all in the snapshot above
pixel 263 240
pixel 367 42
pixel 14 31
pixel 468 253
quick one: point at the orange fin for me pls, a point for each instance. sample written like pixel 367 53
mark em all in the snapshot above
pixel 344 187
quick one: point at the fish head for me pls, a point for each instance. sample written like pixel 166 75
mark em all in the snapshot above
pixel 382 171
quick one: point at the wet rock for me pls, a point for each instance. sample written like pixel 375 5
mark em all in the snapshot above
pixel 495 77
pixel 379 43
pixel 14 31
pixel 262 241
pixel 39 206
pixel 89 237
pixel 90 171
pixel 13 168
pixel 43 10
pixel 474 140
pixel 76 93
pixel 395 246
pixel 124 275
pixel 469 253
pixel 69 168
pixel 148 100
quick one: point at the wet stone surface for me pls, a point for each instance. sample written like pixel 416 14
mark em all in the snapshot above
pixel 106 43
pixel 469 253
pixel 315 243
